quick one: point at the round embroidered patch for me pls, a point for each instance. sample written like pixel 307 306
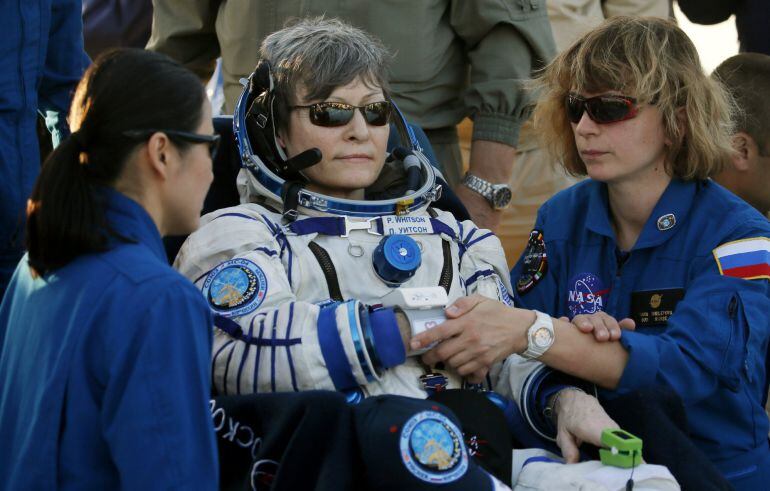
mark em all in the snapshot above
pixel 586 294
pixel 432 448
pixel 235 287
pixel 535 263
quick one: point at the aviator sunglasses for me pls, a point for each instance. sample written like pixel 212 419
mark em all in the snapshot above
pixel 331 114
pixel 212 140
pixel 601 109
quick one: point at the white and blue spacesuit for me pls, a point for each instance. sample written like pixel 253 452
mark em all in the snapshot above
pixel 296 279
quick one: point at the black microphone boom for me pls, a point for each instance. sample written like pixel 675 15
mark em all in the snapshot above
pixel 306 159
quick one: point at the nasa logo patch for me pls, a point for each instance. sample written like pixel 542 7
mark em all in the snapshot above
pixel 586 295
pixel 235 287
pixel 432 448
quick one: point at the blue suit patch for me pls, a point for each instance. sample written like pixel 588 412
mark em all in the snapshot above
pixel 235 288
pixel 432 448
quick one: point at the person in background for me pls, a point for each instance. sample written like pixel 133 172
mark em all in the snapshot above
pixel 104 348
pixel 752 18
pixel 115 24
pixel 453 59
pixel 42 52
pixel 747 77
pixel 647 238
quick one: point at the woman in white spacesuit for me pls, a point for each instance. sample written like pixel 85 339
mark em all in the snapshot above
pixel 335 257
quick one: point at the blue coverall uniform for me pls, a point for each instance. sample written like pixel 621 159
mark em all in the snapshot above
pixel 104 370
pixel 700 331
pixel 41 48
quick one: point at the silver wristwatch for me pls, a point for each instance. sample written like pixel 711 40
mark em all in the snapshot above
pixel 498 195
pixel 540 336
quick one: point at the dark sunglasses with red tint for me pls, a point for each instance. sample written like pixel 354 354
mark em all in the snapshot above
pixel 211 140
pixel 331 114
pixel 602 109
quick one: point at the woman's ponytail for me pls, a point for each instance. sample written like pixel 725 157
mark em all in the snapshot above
pixel 63 219
pixel 123 90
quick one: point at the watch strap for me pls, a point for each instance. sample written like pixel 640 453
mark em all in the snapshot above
pixel 533 351
pixel 479 185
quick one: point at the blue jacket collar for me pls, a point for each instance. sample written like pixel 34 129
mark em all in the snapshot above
pixel 676 201
pixel 131 221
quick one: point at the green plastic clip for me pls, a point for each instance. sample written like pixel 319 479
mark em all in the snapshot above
pixel 623 449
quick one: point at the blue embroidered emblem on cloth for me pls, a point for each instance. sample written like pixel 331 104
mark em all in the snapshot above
pixel 432 448
pixel 235 288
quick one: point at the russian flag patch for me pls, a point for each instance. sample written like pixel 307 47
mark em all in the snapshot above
pixel 747 258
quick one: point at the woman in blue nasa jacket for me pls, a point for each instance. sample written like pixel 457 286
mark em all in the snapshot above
pixel 104 349
pixel 647 237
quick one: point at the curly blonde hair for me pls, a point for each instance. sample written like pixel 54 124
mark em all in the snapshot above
pixel 654 61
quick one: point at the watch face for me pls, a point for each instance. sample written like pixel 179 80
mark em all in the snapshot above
pixel 542 337
pixel 501 197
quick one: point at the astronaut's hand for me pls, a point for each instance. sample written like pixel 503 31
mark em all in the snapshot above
pixel 478 333
pixel 603 326
pixel 579 418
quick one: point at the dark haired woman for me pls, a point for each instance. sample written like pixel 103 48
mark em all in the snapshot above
pixel 104 349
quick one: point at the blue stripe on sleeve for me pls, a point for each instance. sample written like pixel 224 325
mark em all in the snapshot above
pixel 477 275
pixel 259 352
pixel 440 227
pixel 272 352
pixel 243 357
pixel 333 350
pixel 478 239
pixel 236 215
pixel 288 348
pixel 267 251
pixel 470 234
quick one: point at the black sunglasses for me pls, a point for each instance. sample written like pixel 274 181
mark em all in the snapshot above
pixel 212 140
pixel 331 114
pixel 601 109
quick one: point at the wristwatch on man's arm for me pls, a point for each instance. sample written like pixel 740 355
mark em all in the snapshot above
pixel 498 195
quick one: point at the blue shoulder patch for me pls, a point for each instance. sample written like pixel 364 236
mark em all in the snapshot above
pixel 432 448
pixel 235 288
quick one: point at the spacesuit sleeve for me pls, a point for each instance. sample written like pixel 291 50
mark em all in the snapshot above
pixel 484 270
pixel 718 334
pixel 482 263
pixel 265 339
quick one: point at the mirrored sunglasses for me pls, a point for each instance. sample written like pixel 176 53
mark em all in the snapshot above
pixel 602 109
pixel 331 114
